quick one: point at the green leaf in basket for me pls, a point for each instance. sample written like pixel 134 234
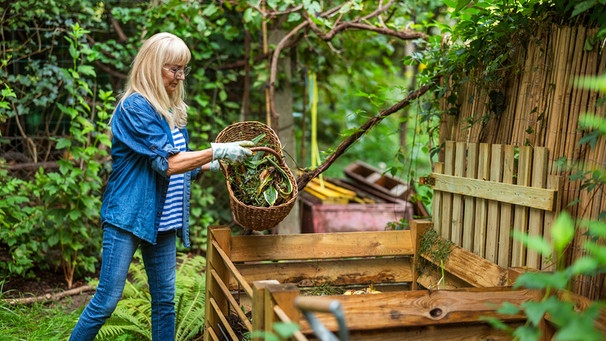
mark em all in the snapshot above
pixel 258 138
pixel 264 179
pixel 270 195
pixel 287 184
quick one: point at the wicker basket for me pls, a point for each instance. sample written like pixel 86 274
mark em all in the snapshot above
pixel 254 217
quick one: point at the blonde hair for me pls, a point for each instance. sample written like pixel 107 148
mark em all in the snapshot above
pixel 145 76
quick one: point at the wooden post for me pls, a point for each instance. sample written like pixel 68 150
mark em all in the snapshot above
pixel 418 228
pixel 262 312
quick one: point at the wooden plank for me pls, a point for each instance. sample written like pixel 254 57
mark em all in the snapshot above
pixel 418 228
pixel 506 222
pixel 472 268
pixel 233 270
pixel 433 278
pixel 330 272
pixel 535 220
pixel 223 319
pixel 460 159
pixel 470 332
pixel 492 226
pixel 425 307
pixel 232 301
pixel 261 302
pixel 437 201
pixel 479 242
pixel 445 223
pixel 541 198
pixel 283 295
pixel 321 246
pixel 520 223
pixel 468 216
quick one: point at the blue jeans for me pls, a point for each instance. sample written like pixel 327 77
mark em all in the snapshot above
pixel 160 261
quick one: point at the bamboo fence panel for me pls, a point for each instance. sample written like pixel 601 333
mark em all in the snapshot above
pixel 543 108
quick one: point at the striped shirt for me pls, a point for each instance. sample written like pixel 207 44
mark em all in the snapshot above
pixel 172 213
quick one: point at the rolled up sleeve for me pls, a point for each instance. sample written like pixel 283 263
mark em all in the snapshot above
pixel 144 132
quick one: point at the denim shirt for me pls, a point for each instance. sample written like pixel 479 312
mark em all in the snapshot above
pixel 141 144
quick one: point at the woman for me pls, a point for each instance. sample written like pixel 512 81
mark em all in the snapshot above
pixel 146 202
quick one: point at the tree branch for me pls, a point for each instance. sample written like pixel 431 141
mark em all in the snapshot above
pixel 49 297
pixel 306 176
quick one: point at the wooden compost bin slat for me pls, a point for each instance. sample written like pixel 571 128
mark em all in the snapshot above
pixel 320 246
pixel 416 308
pixel 445 314
pixel 333 272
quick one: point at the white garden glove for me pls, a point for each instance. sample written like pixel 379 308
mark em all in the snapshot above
pixel 214 166
pixel 233 151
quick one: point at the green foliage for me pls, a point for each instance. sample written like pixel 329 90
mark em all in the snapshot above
pixel 570 323
pixel 280 331
pixel 39 321
pixel 132 317
pixel 52 220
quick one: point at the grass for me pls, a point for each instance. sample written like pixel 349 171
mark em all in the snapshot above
pixel 37 322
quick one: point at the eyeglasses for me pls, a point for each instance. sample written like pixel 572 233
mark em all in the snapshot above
pixel 178 71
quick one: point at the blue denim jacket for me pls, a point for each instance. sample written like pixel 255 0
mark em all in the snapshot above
pixel 136 189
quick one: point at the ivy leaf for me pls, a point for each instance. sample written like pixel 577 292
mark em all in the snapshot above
pixel 285 330
pixel 542 280
pixel 270 195
pixel 508 308
pixel 598 252
pixel 562 232
pixel 527 333
pixel 580 326
pixel 584 265
pixel 87 70
pixel 535 311
pixel 536 243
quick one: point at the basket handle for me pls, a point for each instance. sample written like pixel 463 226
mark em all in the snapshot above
pixel 266 149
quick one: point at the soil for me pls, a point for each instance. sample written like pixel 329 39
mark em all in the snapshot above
pixel 45 283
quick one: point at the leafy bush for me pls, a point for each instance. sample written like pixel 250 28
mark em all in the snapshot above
pixel 52 220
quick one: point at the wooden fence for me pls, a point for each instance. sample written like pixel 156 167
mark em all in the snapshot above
pixel 541 108
pixel 484 192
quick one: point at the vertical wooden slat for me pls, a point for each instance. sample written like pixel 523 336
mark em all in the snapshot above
pixel 222 237
pixel 447 197
pixel 471 171
pixel 436 203
pixel 418 228
pixel 535 223
pixel 492 226
pixel 479 242
pixel 506 223
pixel 457 199
pixel 520 224
pixel 262 307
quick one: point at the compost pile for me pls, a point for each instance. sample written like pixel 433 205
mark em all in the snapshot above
pixel 260 181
